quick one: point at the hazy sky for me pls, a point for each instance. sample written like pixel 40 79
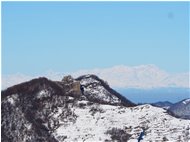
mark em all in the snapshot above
pixel 68 36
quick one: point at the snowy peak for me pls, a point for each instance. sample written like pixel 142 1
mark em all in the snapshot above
pixel 98 90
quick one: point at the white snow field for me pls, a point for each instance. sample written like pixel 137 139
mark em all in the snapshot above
pixel 93 126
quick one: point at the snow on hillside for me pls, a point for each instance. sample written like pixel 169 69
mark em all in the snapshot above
pixel 94 122
pixel 186 101
pixel 94 88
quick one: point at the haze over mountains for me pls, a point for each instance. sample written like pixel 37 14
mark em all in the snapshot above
pixel 141 77
pixel 153 95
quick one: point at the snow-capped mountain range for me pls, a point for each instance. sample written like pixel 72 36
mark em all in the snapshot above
pixel 121 76
pixel 82 109
pixel 143 76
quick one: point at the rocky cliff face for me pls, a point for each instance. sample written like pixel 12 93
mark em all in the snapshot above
pixel 82 109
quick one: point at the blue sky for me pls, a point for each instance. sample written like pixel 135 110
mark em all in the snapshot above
pixel 68 36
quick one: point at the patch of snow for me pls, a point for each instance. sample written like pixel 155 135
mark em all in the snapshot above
pixel 11 99
pixel 186 101
pixel 70 98
pixel 28 126
pixel 42 94
pixel 88 80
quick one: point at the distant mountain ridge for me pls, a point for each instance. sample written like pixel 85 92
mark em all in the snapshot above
pixel 165 104
pixel 120 76
pixel 181 109
pixel 142 76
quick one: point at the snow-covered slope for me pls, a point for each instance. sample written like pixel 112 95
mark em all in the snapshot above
pixel 42 110
pixel 107 123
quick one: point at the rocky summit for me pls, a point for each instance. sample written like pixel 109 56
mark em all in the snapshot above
pixel 82 109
